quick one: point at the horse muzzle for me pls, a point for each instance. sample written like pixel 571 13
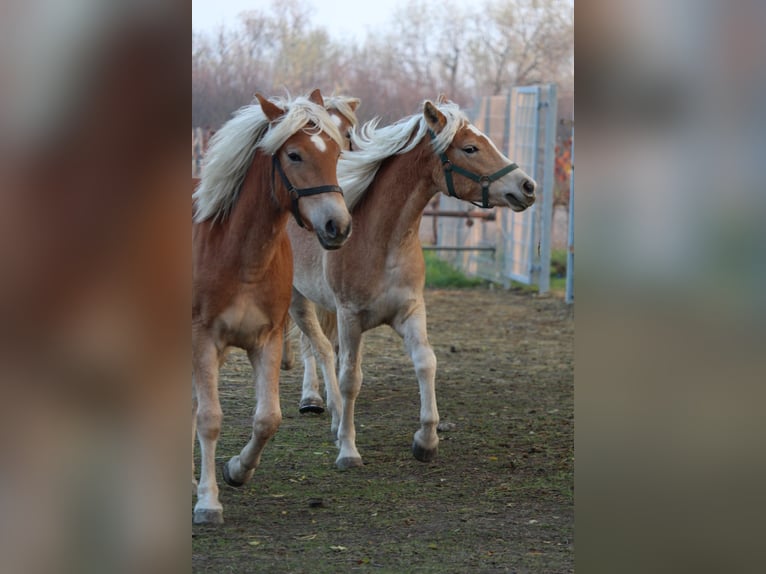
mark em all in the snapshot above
pixel 524 197
pixel 334 233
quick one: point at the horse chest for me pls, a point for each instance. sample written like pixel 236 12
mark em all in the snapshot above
pixel 381 309
pixel 243 324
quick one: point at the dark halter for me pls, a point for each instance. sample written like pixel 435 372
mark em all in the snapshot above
pixel 484 180
pixel 295 193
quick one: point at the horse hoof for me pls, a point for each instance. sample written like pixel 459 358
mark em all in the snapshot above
pixel 348 462
pixel 227 477
pixel 423 454
pixel 208 516
pixel 311 406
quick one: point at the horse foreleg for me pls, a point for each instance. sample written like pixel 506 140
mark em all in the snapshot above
pixel 350 345
pixel 413 330
pixel 268 414
pixel 206 361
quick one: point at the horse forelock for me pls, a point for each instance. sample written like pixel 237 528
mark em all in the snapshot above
pixel 373 145
pixel 233 148
pixel 300 112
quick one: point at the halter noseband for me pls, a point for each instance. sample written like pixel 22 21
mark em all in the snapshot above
pixel 484 180
pixel 295 193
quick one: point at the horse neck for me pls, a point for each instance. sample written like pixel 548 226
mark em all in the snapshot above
pixel 258 220
pixel 393 206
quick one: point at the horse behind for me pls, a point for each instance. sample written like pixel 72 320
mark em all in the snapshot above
pixel 379 275
pixel 268 161
pixel 342 110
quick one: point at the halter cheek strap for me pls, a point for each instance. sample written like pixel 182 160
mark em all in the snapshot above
pixel 294 192
pixel 484 180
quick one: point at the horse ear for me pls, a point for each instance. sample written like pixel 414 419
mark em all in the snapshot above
pixel 272 111
pixel 435 119
pixel 353 103
pixel 442 99
pixel 316 97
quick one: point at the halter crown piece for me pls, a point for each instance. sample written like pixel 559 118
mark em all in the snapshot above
pixel 484 180
pixel 295 193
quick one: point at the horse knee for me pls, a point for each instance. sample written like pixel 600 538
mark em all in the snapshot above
pixel 350 390
pixel 209 422
pixel 425 362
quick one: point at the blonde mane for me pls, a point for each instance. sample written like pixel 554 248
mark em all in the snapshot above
pixel 372 145
pixel 233 148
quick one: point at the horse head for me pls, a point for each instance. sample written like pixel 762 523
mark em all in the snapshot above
pixel 305 166
pixel 487 175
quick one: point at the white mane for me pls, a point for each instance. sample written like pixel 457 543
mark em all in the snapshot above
pixel 372 145
pixel 233 148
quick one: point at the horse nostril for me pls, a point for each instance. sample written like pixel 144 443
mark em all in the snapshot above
pixel 528 186
pixel 331 229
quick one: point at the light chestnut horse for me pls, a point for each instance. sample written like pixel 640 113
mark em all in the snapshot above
pixel 342 110
pixel 379 275
pixel 268 161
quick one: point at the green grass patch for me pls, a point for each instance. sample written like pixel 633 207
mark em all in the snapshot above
pixel 440 274
pixel 558 270
pixel 558 263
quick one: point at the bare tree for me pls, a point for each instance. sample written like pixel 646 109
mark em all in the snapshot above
pixel 427 47
pixel 517 42
pixel 452 40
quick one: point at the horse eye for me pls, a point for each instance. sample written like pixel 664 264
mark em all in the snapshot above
pixel 470 149
pixel 294 156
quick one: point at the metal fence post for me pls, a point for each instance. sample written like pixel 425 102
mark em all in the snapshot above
pixel 546 213
pixel 569 298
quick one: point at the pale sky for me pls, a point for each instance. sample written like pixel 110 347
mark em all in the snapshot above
pixel 341 18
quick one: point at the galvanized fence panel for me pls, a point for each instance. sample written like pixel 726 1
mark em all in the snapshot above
pixel 542 266
pixel 518 229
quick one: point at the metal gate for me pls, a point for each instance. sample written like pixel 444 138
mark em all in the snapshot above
pixel 517 245
pixel 518 229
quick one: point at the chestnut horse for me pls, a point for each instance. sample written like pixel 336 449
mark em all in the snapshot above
pixel 342 110
pixel 268 161
pixel 379 275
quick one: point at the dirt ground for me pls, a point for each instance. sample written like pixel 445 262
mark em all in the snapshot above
pixel 499 496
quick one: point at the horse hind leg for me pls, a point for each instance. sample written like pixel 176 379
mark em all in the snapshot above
pixel 239 470
pixel 208 509
pixel 304 313
pixel 311 399
pixel 328 321
pixel 425 443
pixel 288 354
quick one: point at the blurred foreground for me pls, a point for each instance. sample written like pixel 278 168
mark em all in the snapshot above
pixel 94 286
pixel 670 286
